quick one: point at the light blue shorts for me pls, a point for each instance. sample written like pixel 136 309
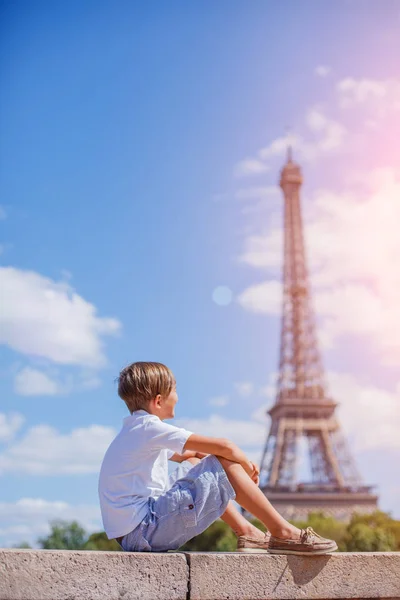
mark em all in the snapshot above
pixel 192 503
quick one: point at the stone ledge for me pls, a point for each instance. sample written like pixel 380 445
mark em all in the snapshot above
pixel 65 575
pixel 236 576
pixel 68 575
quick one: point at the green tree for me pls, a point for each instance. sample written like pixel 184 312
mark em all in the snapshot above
pixel 100 541
pixel 23 545
pixel 362 538
pixel 375 532
pixel 64 535
pixel 69 535
pixel 216 538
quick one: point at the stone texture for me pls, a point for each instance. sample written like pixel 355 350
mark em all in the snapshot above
pixel 63 575
pixel 237 576
pixel 66 575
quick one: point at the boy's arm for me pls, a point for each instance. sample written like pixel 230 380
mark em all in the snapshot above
pixel 186 455
pixel 219 447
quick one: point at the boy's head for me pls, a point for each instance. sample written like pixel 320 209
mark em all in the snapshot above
pixel 149 386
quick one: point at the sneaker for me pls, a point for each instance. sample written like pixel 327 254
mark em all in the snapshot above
pixel 310 543
pixel 249 544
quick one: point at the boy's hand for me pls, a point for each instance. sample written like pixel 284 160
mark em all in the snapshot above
pixel 192 454
pixel 251 469
pixel 255 476
pixel 186 455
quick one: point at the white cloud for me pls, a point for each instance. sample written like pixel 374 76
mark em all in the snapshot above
pixel 41 317
pixel 354 269
pixel 381 94
pixel 351 308
pixel 219 401
pixel 263 297
pixel 250 166
pixel 244 388
pixel 279 146
pixel 9 425
pixel 324 136
pixel 322 71
pixel 249 434
pixel 332 133
pixel 32 382
pixel 27 519
pixel 264 250
pixel 369 414
pixel 45 451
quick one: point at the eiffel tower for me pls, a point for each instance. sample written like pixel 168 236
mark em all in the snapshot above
pixel 303 416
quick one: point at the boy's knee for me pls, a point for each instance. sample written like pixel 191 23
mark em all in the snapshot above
pixel 226 463
pixel 194 461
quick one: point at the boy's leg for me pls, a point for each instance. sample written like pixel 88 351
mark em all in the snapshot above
pixel 239 525
pixel 250 497
pixel 236 521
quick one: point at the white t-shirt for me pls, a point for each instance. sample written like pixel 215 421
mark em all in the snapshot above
pixel 134 468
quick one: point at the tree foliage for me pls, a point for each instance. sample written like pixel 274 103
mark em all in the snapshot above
pixel 218 537
pixel 23 546
pixel 376 532
pixel 69 535
pixel 100 541
pixel 64 535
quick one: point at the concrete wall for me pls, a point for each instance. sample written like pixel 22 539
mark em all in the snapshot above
pixel 64 575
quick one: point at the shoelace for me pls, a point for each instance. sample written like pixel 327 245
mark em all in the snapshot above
pixel 307 535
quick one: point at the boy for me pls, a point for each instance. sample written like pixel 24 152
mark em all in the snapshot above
pixel 146 511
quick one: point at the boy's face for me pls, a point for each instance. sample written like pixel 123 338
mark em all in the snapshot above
pixel 165 405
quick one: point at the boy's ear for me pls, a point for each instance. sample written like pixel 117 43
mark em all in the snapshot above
pixel 157 401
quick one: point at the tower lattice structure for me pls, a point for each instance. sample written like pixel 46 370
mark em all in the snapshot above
pixel 302 411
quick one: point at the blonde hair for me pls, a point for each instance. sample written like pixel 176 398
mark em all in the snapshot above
pixel 140 382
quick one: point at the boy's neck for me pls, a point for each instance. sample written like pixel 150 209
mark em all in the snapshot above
pixel 149 412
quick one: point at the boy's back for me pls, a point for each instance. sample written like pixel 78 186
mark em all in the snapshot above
pixel 135 468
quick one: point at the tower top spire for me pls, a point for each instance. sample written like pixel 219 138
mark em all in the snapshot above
pixel 291 172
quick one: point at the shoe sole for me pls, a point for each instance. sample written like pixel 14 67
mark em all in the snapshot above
pixel 251 550
pixel 304 553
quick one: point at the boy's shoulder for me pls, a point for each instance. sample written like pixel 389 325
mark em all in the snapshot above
pixel 142 420
pixel 147 423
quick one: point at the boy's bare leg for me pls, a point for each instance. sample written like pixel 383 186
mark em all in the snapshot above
pixel 240 525
pixel 233 518
pixel 250 497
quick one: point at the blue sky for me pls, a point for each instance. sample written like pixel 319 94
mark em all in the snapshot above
pixel 140 151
